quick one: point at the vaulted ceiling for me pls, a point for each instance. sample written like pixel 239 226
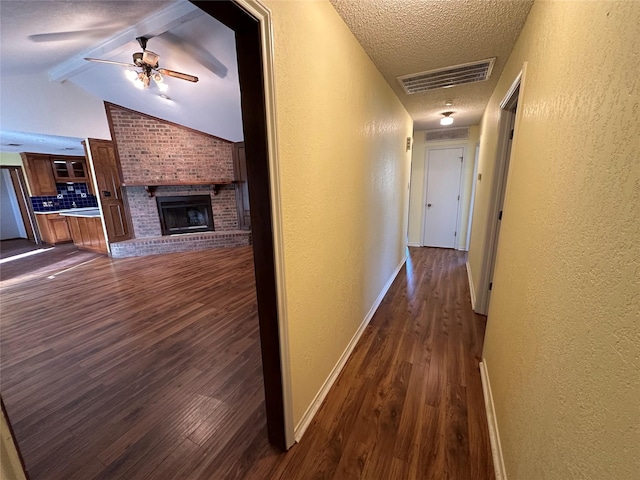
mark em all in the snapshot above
pixel 44 37
pixel 51 39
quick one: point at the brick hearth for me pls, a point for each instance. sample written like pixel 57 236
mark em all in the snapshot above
pixel 139 247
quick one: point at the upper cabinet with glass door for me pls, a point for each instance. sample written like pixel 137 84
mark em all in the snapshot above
pixel 69 169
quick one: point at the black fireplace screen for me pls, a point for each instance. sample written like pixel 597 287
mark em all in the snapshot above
pixel 187 214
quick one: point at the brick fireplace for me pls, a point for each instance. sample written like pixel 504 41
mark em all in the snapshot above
pixel 162 159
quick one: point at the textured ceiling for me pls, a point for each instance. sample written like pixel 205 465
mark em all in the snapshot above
pixel 410 36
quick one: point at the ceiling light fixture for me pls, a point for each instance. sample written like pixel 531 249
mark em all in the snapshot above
pixel 147 62
pixel 447 119
pixel 142 79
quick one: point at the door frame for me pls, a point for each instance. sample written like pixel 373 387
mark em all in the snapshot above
pixel 508 119
pixel 426 187
pixel 26 208
pixel 472 201
pixel 252 24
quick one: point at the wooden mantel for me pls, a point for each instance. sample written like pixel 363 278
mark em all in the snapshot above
pixel 150 186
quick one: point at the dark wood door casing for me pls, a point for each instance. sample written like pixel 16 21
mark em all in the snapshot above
pixel 109 184
pixel 254 123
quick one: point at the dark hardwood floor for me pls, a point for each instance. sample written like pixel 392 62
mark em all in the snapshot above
pixel 149 368
pixel 408 404
pixel 47 260
pixel 16 246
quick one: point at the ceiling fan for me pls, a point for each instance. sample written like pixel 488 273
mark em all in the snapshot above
pixel 147 62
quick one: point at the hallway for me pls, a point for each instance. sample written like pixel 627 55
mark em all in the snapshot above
pixel 408 404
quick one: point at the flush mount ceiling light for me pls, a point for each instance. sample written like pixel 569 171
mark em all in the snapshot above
pixel 447 119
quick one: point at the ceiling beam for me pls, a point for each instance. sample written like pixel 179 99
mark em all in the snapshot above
pixel 152 26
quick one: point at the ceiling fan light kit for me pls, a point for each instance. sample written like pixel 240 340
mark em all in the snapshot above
pixel 148 62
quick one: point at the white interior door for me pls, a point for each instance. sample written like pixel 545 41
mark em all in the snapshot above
pixel 442 197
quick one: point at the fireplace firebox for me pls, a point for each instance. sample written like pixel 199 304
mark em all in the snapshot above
pixel 185 214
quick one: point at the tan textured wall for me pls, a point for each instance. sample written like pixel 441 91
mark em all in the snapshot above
pixel 418 165
pixel 344 180
pixel 563 336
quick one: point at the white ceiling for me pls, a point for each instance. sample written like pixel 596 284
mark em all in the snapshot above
pixel 410 36
pixel 37 35
pixel 53 36
pixel 16 142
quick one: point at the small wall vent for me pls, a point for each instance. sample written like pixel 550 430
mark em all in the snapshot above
pixel 447 77
pixel 446 134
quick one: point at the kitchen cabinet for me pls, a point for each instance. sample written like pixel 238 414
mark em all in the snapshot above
pixel 53 228
pixel 44 171
pixel 69 169
pixel 87 233
pixel 39 174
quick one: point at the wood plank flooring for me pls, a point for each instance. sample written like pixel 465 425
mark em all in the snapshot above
pixel 16 246
pixel 49 260
pixel 408 404
pixel 149 368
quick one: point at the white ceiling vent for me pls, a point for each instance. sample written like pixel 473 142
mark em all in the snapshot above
pixel 446 134
pixel 447 77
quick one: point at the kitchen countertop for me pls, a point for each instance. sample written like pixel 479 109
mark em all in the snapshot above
pixel 90 212
pixel 81 212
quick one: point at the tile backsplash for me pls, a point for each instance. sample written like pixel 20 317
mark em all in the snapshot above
pixel 68 194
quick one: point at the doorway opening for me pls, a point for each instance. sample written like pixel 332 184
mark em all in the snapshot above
pixel 19 231
pixel 506 135
pixel 252 42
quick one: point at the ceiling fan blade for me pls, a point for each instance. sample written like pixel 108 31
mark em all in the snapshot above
pixel 70 35
pixel 181 76
pixel 98 60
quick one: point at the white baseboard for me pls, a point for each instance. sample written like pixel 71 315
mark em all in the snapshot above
pixel 413 244
pixel 494 434
pixel 305 421
pixel 472 291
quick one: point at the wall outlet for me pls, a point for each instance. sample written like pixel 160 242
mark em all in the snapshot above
pixel 83 195
pixel 70 188
pixel 59 196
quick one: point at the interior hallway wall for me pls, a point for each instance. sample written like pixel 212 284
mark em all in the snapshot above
pixel 562 344
pixel 418 166
pixel 344 176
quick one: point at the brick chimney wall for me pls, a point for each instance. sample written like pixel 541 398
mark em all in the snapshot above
pixel 153 150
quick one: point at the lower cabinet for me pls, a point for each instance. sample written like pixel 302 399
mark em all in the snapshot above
pixel 87 233
pixel 53 228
